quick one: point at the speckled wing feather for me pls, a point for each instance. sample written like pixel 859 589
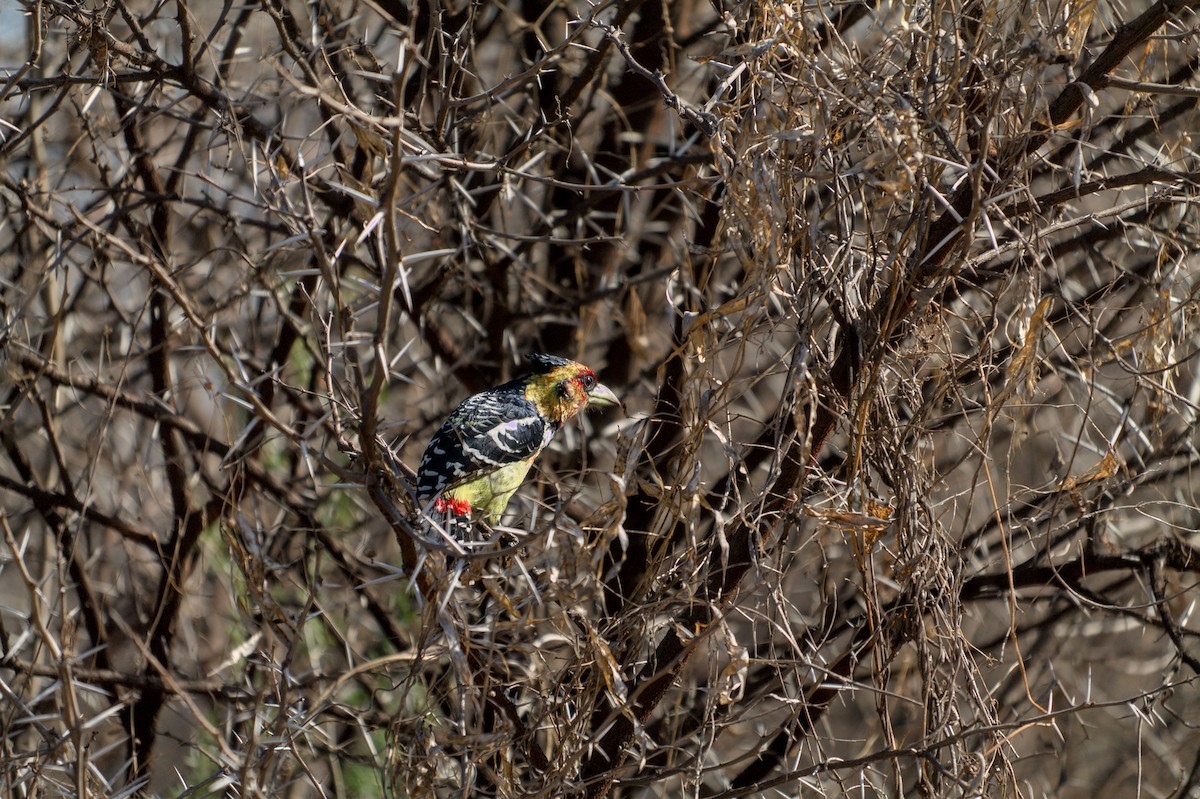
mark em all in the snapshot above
pixel 486 432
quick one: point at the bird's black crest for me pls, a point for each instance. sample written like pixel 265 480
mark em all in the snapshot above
pixel 540 364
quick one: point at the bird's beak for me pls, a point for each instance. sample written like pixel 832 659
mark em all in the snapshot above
pixel 601 397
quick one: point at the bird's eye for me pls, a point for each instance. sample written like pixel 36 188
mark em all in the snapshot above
pixel 589 382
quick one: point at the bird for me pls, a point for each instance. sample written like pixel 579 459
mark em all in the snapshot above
pixel 482 452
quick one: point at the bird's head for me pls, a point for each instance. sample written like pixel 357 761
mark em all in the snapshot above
pixel 561 388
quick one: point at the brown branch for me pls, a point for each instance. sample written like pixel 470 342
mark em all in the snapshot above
pixel 381 487
pixel 706 122
pixel 1141 177
pixel 46 507
pixel 154 411
pixel 587 75
pixel 939 240
pixel 45 502
pixel 1166 551
pixel 653 681
pixel 651 684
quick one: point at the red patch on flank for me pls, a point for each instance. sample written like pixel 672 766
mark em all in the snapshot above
pixel 459 507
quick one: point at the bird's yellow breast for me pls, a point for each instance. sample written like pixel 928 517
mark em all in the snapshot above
pixel 490 494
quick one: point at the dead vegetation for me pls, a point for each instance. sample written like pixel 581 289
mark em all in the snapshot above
pixel 901 300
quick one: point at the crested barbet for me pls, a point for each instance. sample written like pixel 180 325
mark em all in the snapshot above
pixel 480 455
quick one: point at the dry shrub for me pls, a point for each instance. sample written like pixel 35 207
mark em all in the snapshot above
pixel 901 300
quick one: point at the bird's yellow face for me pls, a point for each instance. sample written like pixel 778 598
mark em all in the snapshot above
pixel 565 391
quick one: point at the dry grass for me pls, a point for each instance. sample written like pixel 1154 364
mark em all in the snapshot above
pixel 901 300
